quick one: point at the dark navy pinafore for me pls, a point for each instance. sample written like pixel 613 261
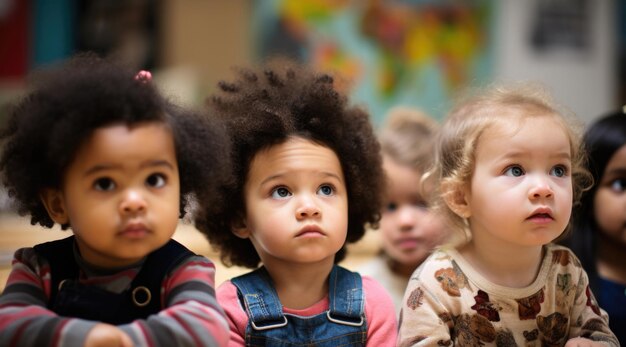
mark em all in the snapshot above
pixel 143 298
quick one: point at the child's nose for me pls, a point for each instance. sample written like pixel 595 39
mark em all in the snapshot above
pixel 133 202
pixel 407 217
pixel 540 189
pixel 307 209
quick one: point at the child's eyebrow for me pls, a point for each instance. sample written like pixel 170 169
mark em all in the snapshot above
pixel 154 163
pixel 330 174
pixel 619 171
pixel 563 155
pixel 323 174
pixel 147 164
pixel 514 155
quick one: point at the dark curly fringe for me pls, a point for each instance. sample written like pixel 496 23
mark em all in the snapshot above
pixel 45 129
pixel 265 107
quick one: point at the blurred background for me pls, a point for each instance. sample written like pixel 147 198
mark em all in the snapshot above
pixel 418 53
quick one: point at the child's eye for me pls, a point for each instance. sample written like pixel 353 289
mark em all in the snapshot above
pixel 391 206
pixel 514 171
pixel 280 193
pixel 156 180
pixel 104 184
pixel 326 190
pixel 618 185
pixel 558 171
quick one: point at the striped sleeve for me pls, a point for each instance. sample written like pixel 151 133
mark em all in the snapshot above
pixel 24 318
pixel 192 316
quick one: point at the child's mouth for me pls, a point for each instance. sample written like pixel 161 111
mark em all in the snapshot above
pixel 541 218
pixel 310 231
pixel 134 231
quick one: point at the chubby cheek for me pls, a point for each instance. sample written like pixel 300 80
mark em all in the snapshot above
pixel 258 227
pixel 610 215
pixel 92 216
pixel 435 230
pixel 170 220
pixel 387 228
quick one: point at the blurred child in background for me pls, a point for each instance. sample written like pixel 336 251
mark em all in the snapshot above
pixel 599 237
pixel 408 229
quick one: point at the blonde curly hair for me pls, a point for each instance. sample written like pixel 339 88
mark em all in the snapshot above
pixel 463 127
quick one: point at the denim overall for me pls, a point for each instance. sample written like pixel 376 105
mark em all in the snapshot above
pixel 70 298
pixel 342 325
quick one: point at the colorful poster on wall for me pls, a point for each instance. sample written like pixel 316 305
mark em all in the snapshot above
pixel 388 53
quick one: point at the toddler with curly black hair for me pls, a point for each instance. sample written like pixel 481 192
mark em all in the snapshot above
pixel 101 152
pixel 307 180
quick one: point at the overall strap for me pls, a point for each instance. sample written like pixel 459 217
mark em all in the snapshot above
pixel 258 296
pixel 145 289
pixel 60 257
pixel 346 304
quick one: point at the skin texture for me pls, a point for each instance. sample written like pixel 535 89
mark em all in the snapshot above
pixel 296 215
pixel 519 198
pixel 105 335
pixel 120 194
pixel 409 230
pixel 582 342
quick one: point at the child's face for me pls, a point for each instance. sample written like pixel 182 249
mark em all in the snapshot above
pixel 610 198
pixel 121 194
pixel 521 189
pixel 296 204
pixel 409 230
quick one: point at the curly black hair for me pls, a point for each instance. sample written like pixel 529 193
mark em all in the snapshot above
pixel 266 106
pixel 68 102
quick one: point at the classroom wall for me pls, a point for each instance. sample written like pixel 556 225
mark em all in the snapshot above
pixel 585 80
pixel 199 40
pixel 212 36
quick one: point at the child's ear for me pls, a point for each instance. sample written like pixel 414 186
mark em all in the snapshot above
pixel 455 196
pixel 239 228
pixel 54 203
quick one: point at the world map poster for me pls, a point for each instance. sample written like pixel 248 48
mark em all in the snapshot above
pixel 387 53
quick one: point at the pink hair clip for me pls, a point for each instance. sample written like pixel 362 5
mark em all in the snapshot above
pixel 143 76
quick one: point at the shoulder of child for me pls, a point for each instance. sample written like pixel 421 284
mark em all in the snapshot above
pixel 228 298
pixel 558 254
pixel 28 268
pixel 379 312
pixel 226 292
pixel 377 297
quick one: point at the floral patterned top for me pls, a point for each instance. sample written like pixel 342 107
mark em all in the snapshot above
pixel 447 302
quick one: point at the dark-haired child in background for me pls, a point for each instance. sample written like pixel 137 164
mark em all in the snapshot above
pixel 599 236
pixel 307 180
pixel 96 149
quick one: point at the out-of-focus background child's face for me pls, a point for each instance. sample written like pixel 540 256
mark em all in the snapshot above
pixel 610 199
pixel 409 230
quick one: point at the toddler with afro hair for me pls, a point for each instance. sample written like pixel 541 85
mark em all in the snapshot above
pixel 307 179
